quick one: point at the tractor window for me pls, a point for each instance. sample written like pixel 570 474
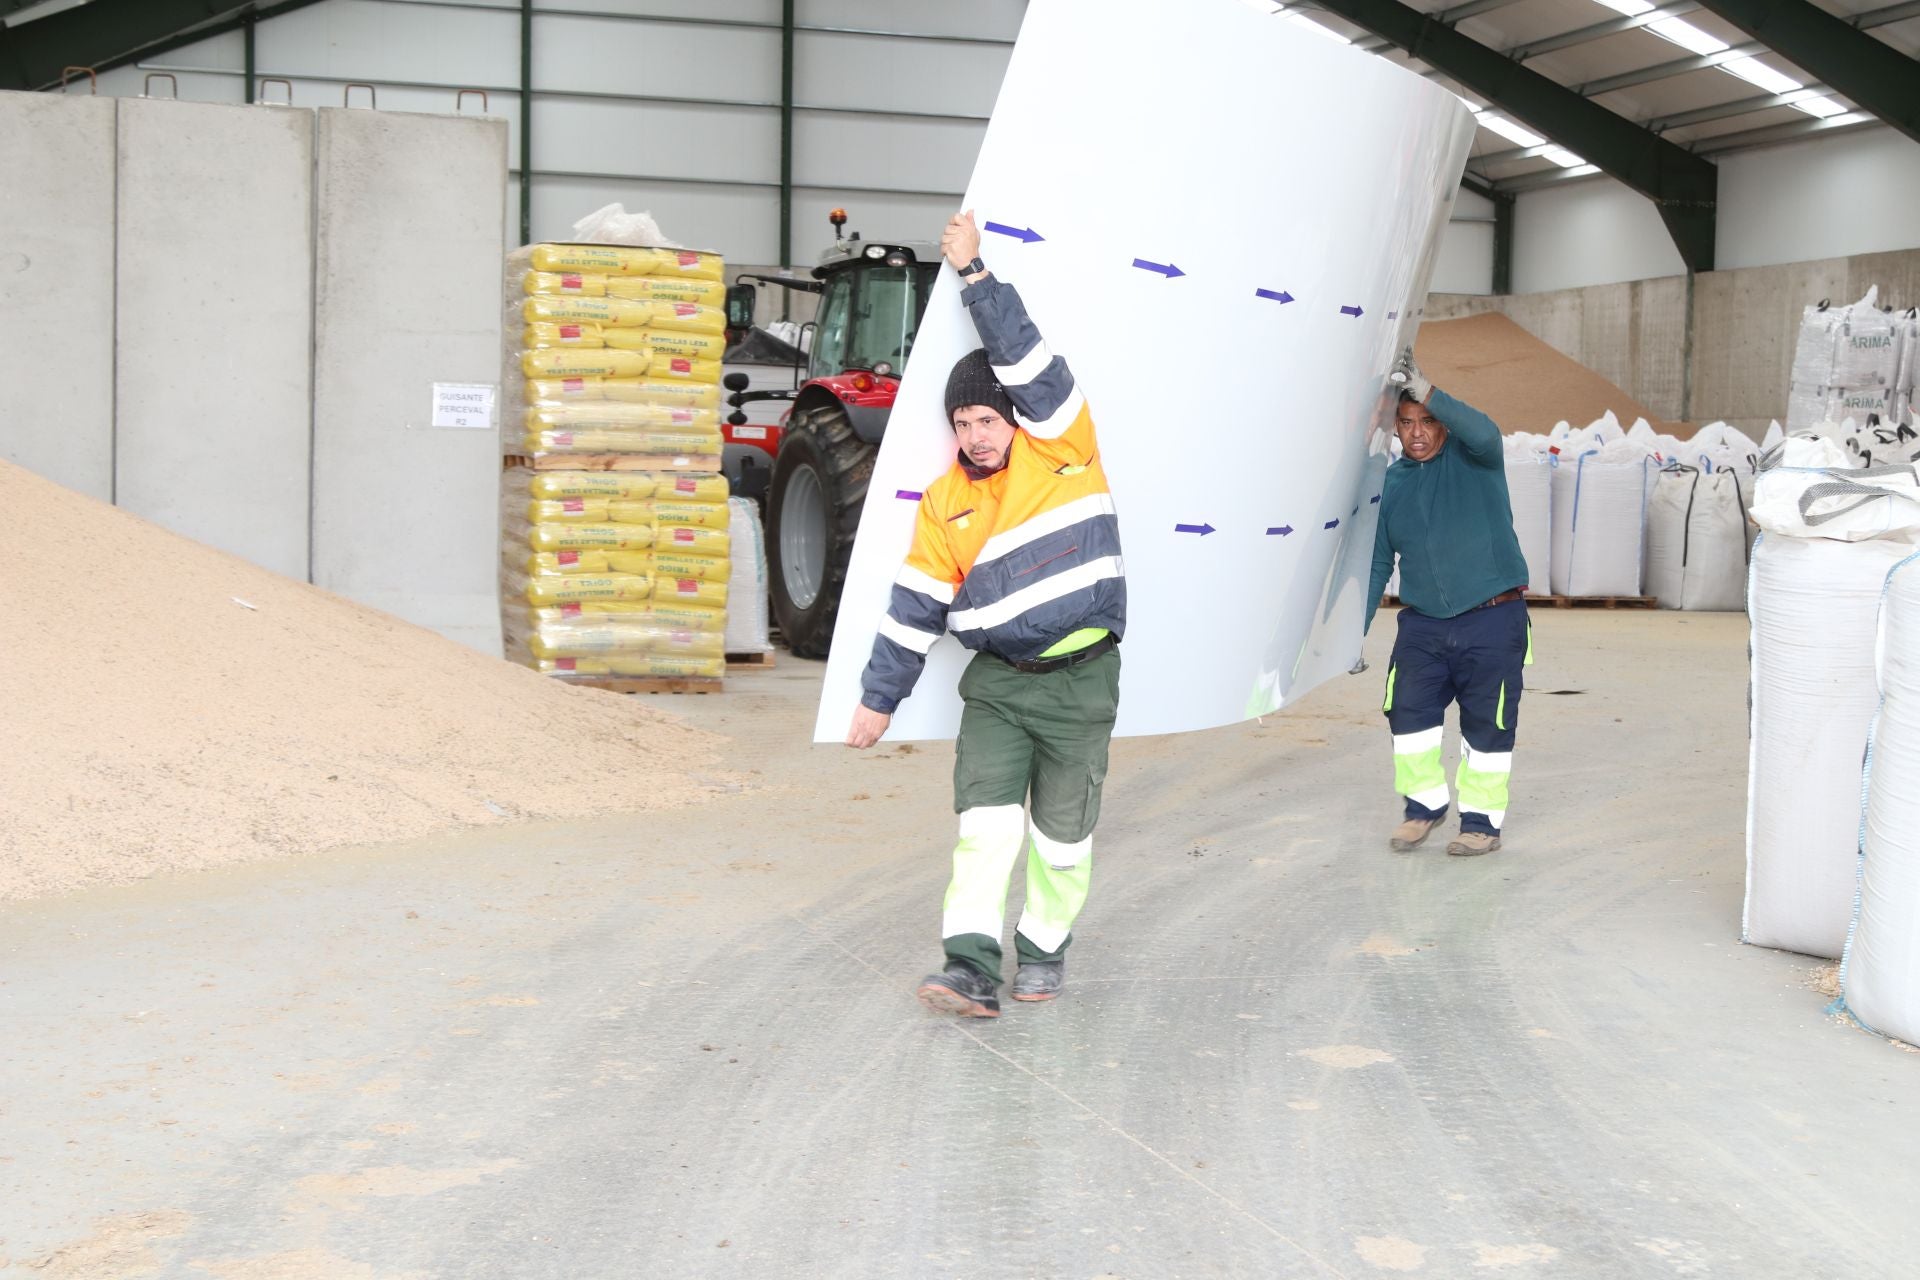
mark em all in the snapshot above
pixel 886 316
pixel 831 326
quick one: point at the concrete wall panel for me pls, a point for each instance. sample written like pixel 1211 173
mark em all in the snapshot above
pixel 56 288
pixel 407 293
pixel 214 324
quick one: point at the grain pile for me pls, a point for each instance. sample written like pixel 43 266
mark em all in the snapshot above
pixel 168 706
pixel 1517 380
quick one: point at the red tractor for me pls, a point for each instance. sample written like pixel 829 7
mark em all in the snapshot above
pixel 872 295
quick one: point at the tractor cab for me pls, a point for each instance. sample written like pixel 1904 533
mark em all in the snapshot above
pixel 872 296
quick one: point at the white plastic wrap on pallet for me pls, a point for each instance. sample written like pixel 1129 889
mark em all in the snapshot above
pixel 1880 975
pixel 1530 493
pixel 1697 540
pixel 747 580
pixel 1813 606
pixel 1599 512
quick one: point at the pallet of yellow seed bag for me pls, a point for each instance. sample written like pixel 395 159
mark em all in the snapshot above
pixel 547 393
pixel 619 260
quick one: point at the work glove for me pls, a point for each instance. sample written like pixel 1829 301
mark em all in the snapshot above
pixel 1411 380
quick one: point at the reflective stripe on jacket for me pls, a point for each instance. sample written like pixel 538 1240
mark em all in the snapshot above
pixel 1016 561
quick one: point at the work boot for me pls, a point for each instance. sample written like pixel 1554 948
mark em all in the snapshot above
pixel 1471 844
pixel 961 989
pixel 1039 980
pixel 1411 833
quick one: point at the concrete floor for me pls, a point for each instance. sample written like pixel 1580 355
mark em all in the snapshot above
pixel 687 1045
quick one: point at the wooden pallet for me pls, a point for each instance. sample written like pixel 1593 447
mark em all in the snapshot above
pixel 750 661
pixel 1567 602
pixel 613 462
pixel 650 684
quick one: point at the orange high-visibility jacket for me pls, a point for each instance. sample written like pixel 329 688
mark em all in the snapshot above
pixel 1013 562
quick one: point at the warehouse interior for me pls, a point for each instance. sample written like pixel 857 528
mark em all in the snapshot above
pixel 416 857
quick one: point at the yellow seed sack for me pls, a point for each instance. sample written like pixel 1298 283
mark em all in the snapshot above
pixel 654 564
pixel 680 540
pixel 615 313
pixel 690 591
pixel 568 562
pixel 684 367
pixel 664 443
pixel 579 510
pixel 578 362
pixel 593 484
pixel 570 336
pixel 662 342
pixel 588 610
pixel 616 260
pixel 590 537
pixel 573 667
pixel 656 288
pixel 689 617
pixel 693 488
pixel 553 392
pixel 549 591
pixel 668 668
pixel 570 284
pixel 608 416
pixel 700 515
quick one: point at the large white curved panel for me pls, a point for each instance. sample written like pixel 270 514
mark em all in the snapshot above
pixel 1227 224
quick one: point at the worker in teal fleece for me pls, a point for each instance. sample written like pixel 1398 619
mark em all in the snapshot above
pixel 1464 634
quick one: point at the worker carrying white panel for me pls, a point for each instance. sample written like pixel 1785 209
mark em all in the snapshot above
pixel 1880 975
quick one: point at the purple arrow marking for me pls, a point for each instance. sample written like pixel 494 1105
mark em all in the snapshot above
pixel 906 495
pixel 1166 269
pixel 1331 524
pixel 1202 529
pixel 1282 531
pixel 1026 235
pixel 1375 498
pixel 1393 315
pixel 1278 295
pixel 1350 311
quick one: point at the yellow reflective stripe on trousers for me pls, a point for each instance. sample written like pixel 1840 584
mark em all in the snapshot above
pixel 1528 660
pixel 1484 790
pixel 1393 670
pixel 1417 771
pixel 1054 898
pixel 1500 708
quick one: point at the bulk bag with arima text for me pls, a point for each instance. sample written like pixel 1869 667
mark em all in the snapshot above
pixel 1880 974
pixel 1814 604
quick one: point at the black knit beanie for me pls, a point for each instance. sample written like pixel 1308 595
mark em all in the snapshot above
pixel 972 382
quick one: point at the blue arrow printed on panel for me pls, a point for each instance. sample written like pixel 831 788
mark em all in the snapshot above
pixel 1166 269
pixel 1278 295
pixel 1375 498
pixel 1332 524
pixel 1350 311
pixel 1202 529
pixel 1026 235
pixel 1282 531
pixel 906 495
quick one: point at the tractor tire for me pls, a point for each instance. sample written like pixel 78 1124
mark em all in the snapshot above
pixel 813 510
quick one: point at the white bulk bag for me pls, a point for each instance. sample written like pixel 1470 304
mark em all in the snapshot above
pixel 1813 604
pixel 1880 975
pixel 1530 493
pixel 1697 540
pixel 1821 499
pixel 1599 510
pixel 1812 377
pixel 746 580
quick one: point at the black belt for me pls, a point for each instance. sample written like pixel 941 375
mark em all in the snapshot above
pixel 1040 666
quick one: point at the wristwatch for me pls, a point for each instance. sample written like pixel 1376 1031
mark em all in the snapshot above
pixel 974 268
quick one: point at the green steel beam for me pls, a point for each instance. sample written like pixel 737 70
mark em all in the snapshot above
pixel 786 136
pixel 1874 75
pixel 526 121
pixel 1682 186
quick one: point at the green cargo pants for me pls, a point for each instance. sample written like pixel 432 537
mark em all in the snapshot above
pixel 1025 737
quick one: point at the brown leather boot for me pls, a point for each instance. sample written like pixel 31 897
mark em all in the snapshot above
pixel 1471 844
pixel 1410 834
